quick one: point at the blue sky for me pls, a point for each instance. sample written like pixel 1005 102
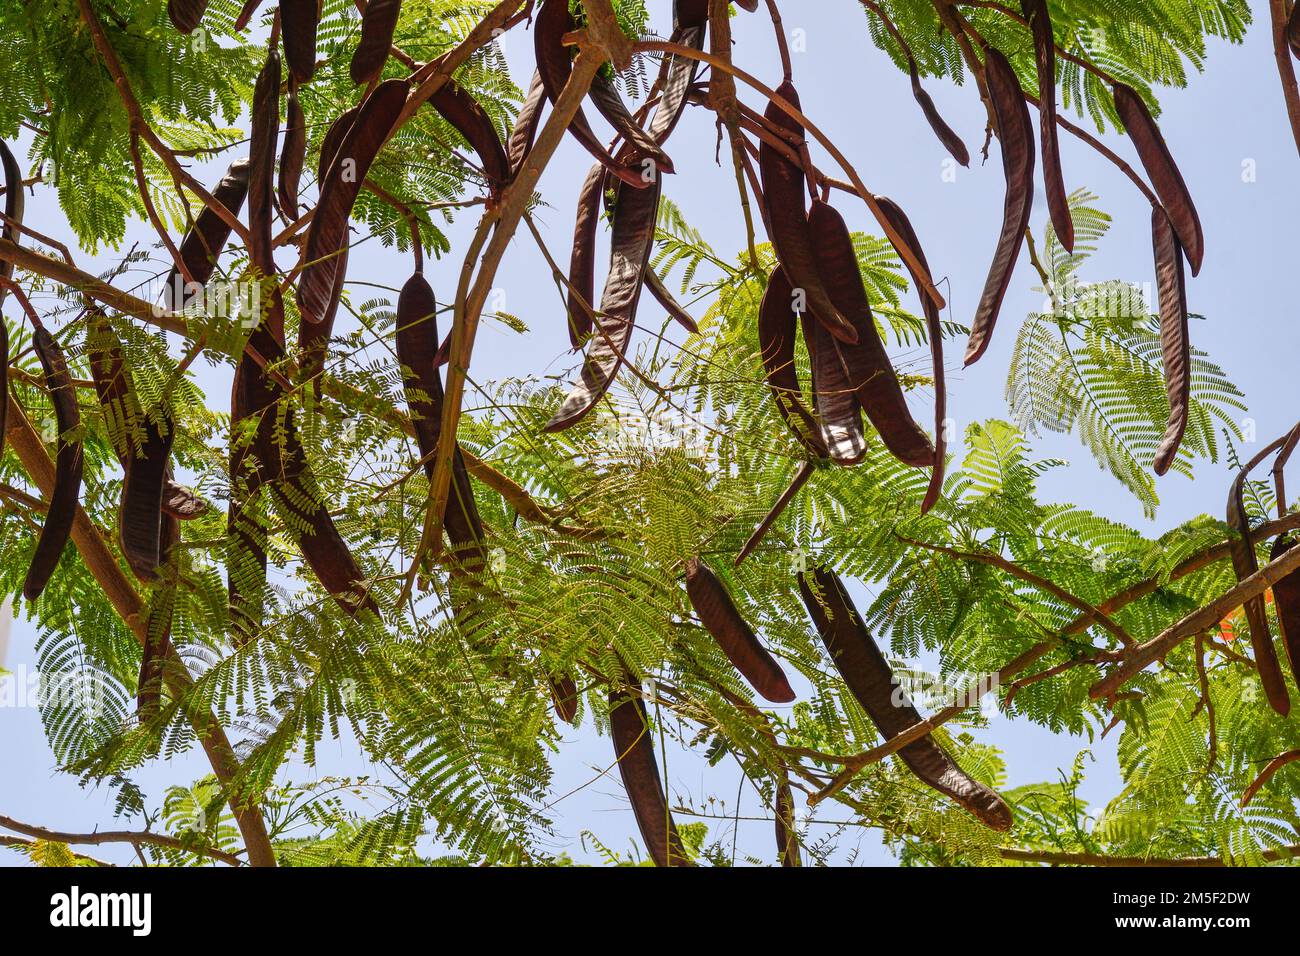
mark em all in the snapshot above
pixel 1225 121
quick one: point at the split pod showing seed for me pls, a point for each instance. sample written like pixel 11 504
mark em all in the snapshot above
pixel 1175 340
pixel 1040 23
pixel 328 233
pixel 778 322
pixel 263 138
pixel 468 117
pixel 785 211
pixel 1165 175
pixel 292 155
pixel 377 26
pixel 951 141
pixel 186 14
pixel 1016 134
pixel 68 462
pixel 1286 600
pixel 207 237
pixel 871 374
pixel 1244 562
pixel 298 22
pixel 721 618
pixel 526 123
pixel 13 210
pixel 871 681
pixel 634 750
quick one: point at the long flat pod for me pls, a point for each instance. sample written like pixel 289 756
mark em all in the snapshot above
pixel 722 619
pixel 329 227
pixel 377 26
pixel 582 261
pixel 676 311
pixel 1241 549
pixel 467 115
pixel 1058 206
pixel 778 323
pixel 784 200
pixel 1286 600
pixel 564 695
pixel 417 348
pixel 13 175
pixel 526 123
pixel 262 141
pixel 298 22
pixel 690 25
pixel 871 681
pixel 1165 175
pixel 634 750
pixel 611 106
pixel 292 155
pixel 186 14
pixel 633 215
pixel 254 459
pixel 1175 340
pixel 871 373
pixel 246 13
pixel 147 472
pixel 314 337
pixel 68 462
pixel 207 237
pixel 934 331
pixel 838 414
pixel 945 133
pixel 1016 134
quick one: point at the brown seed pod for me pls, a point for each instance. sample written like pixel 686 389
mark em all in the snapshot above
pixel 665 298
pixel 787 841
pixel 838 414
pixel 582 261
pixel 246 13
pixel 564 695
pixel 784 202
pixel 1040 23
pixel 314 337
pixel 871 374
pixel 292 155
pixel 147 473
pixel 871 681
pixel 1286 600
pixel 254 460
pixel 1016 133
pixel 186 14
pixel 635 752
pixel 777 325
pixel 13 211
pixel 633 218
pixel 610 105
pixel 469 119
pixel 1241 548
pixel 721 618
pixel 1293 32
pixel 801 476
pixel 263 137
pixel 690 24
pixel 329 145
pixel 417 345
pixel 377 26
pixel 205 240
pixel 526 123
pixel 951 141
pixel 934 330
pixel 68 463
pixel 1163 171
pixel 750 5
pixel 328 232
pixel 298 22
pixel 1175 341
pixel 554 64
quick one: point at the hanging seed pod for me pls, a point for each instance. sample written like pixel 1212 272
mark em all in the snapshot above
pixel 417 345
pixel 157 638
pixel 1175 341
pixel 690 25
pixel 582 261
pixel 784 202
pixel 333 139
pixel 13 211
pixel 526 123
pixel 328 232
pixel 665 298
pixel 750 5
pixel 1293 31
pixel 634 749
pixel 801 476
pixel 721 618
pixel 1040 23
pixel 314 337
pixel 292 155
pixel 254 461
pixel 263 139
pixel 1163 171
pixel 947 136
pixel 838 415
pixel 564 695
pixel 378 24
pixel 246 13
pixel 1016 134
pixel 632 218
pixel 934 330
pixel 777 325
pixel 871 681
pixel 610 105
pixel 147 472
pixel 469 119
pixel 1241 548
pixel 871 374
pixel 186 14
pixel 68 461
pixel 205 240
pixel 1286 600
pixel 787 838
pixel 298 22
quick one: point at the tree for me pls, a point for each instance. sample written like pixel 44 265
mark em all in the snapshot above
pixel 359 549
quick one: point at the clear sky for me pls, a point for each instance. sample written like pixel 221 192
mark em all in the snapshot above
pixel 1228 118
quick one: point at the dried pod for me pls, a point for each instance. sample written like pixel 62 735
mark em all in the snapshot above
pixel 839 417
pixel 469 118
pixel 1040 23
pixel 750 5
pixel 254 461
pixel 205 240
pixel 147 472
pixel 378 24
pixel 1286 600
pixel 633 218
pixel 564 695
pixel 871 681
pixel 635 752
pixel 526 123
pixel 292 155
pixel 186 14
pixel 1241 548
pixel 263 139
pixel 721 618
pixel 1175 341
pixel 329 227
pixel 777 327
pixel 68 461
pixel 951 141
pixel 610 105
pixel 582 261
pixel 665 298
pixel 787 839
pixel 690 24
pixel 1016 134
pixel 298 22
pixel 314 337
pixel 784 202
pixel 871 374
pixel 801 476
pixel 334 136
pixel 246 13
pixel 13 210
pixel 1164 173
pixel 934 330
